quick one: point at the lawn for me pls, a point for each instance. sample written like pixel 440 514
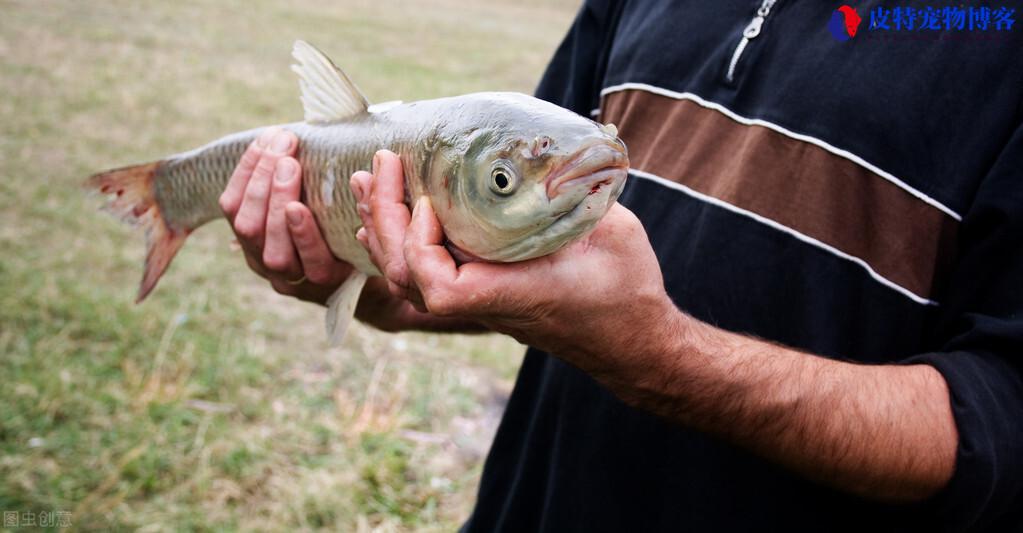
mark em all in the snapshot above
pixel 216 405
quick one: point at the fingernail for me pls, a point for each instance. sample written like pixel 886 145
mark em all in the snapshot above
pixel 285 171
pixel 266 137
pixel 281 143
pixel 294 217
pixel 360 235
pixel 357 190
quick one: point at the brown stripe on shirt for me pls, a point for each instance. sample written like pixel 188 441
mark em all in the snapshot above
pixel 792 182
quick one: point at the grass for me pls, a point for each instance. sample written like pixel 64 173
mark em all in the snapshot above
pixel 215 405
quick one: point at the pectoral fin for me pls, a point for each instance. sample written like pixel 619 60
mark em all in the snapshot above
pixel 341 307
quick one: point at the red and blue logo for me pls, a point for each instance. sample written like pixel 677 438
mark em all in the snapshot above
pixel 844 23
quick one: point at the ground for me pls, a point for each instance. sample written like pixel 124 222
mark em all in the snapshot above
pixel 215 405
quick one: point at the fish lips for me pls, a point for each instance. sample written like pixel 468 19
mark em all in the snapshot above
pixel 599 165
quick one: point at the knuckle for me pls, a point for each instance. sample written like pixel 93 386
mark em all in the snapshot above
pixel 395 270
pixel 303 236
pixel 439 303
pixel 246 228
pixel 283 189
pixel 226 204
pixel 289 187
pixel 266 165
pixel 256 194
pixel 276 261
pixel 250 157
pixel 318 275
pixel 395 276
pixel 304 244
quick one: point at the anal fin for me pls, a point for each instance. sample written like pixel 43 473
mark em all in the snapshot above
pixel 341 307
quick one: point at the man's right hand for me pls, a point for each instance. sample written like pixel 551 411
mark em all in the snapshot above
pixel 278 233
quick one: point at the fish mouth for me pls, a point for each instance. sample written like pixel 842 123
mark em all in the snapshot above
pixel 596 166
pixel 574 223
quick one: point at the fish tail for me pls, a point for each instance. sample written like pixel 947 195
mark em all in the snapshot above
pixel 132 198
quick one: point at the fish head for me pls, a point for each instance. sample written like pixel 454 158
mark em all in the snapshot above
pixel 525 179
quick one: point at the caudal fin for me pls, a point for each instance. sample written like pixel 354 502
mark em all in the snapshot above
pixel 133 200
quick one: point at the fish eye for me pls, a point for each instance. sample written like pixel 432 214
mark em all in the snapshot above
pixel 502 181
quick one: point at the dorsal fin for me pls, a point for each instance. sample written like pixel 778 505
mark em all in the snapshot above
pixel 327 93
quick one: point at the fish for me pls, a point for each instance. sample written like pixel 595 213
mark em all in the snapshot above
pixel 511 177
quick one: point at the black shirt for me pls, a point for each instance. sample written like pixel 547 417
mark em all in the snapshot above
pixel 859 199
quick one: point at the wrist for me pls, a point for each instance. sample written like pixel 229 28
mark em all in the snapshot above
pixel 656 357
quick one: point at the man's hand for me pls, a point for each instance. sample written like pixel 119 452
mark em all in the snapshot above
pixel 278 233
pixel 592 302
pixel 883 432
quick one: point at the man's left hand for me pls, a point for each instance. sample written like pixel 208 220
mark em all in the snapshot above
pixel 595 303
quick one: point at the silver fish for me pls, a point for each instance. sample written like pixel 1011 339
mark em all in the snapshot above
pixel 510 177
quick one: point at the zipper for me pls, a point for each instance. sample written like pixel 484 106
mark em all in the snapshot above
pixel 751 32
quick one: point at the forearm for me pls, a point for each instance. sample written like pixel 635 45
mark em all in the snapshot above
pixel 882 432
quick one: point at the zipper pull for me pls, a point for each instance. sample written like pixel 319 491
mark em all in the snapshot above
pixel 753 29
pixel 751 32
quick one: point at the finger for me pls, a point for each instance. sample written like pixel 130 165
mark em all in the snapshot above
pixel 318 263
pixel 283 287
pixel 278 250
pixel 367 238
pixel 231 198
pixel 256 266
pixel 390 215
pixel 470 289
pixel 360 183
pixel 250 222
pixel 431 267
